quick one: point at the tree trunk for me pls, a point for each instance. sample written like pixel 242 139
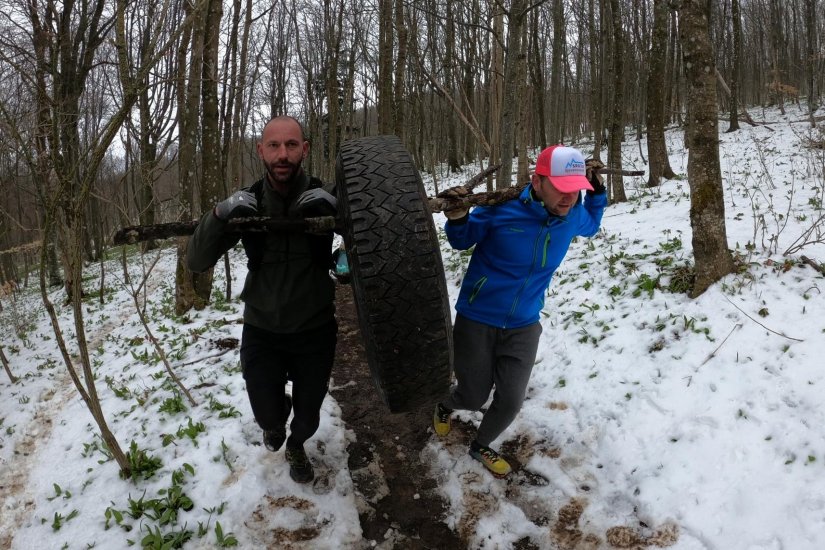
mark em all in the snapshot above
pixel 188 112
pixel 449 83
pixel 509 110
pixel 496 91
pixel 537 78
pixel 736 21
pixel 614 152
pixel 400 66
pixel 813 48
pixel 525 115
pixel 556 105
pixel 596 81
pixel 385 69
pixel 212 188
pixel 656 147
pixel 707 206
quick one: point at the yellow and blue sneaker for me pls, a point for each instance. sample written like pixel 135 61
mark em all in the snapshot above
pixel 491 459
pixel 441 419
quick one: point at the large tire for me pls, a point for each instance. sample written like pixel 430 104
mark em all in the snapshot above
pixel 397 275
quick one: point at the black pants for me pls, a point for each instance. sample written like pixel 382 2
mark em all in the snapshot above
pixel 306 358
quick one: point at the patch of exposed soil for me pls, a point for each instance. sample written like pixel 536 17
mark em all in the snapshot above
pixel 399 506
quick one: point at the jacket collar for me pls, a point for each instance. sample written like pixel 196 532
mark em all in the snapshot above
pixel 530 200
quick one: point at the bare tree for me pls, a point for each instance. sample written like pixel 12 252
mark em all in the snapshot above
pixel 537 77
pixel 400 67
pixel 152 130
pixel 616 135
pixel 736 54
pixel 812 35
pixel 496 93
pixel 656 147
pixel 510 104
pixel 70 137
pixel 385 68
pixel 597 87
pixel 189 67
pixel 707 207
pixel 557 106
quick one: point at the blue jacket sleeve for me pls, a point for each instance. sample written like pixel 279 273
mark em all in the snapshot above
pixel 591 217
pixel 469 230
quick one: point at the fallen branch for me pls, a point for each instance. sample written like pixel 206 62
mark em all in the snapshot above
pixel 713 353
pixel 819 267
pixel 199 359
pixel 760 324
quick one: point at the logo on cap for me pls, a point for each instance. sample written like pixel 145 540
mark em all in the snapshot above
pixel 574 165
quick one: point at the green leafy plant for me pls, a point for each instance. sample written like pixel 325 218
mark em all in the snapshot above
pixel 162 510
pixel 97 445
pixel 223 410
pixel 156 540
pixel 224 540
pixel 191 431
pixel 647 284
pixel 224 455
pixel 122 391
pixel 59 492
pixel 141 464
pixel 59 520
pixel 173 405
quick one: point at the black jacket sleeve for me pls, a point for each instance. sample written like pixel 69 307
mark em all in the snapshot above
pixel 209 243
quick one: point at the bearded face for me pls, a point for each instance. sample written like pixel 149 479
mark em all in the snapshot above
pixel 282 149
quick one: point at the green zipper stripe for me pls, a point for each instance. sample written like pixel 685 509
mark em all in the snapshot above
pixel 544 255
pixel 476 289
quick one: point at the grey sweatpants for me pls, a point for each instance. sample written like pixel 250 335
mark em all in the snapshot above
pixel 485 357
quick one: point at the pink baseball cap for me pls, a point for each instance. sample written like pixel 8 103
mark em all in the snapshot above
pixel 564 167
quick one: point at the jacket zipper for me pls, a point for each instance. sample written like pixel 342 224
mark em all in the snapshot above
pixel 544 254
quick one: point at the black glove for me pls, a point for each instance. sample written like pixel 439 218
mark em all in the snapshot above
pixel 317 202
pixel 596 180
pixel 240 204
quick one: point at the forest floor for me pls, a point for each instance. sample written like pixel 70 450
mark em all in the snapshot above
pixel 394 491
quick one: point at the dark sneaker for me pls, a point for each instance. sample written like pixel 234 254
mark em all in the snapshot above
pixel 491 459
pixel 300 469
pixel 441 419
pixel 274 439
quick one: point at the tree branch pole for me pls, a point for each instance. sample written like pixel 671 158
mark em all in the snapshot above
pixel 324 224
pixel 137 233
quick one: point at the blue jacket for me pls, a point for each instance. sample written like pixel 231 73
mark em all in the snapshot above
pixel 518 246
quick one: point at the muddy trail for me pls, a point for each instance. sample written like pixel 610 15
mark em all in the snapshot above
pixel 398 502
pixel 399 505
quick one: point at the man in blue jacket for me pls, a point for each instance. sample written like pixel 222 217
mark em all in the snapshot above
pixel 519 244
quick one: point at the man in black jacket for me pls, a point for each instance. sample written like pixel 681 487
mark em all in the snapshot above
pixel 289 328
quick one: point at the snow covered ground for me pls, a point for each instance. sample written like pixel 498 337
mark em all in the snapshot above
pixel 652 419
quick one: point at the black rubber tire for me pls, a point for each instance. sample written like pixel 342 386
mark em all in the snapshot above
pixel 397 275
